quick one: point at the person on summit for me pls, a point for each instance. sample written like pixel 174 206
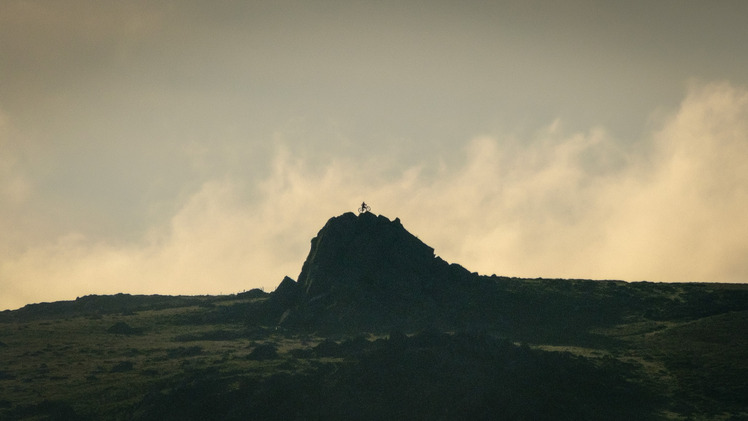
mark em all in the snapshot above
pixel 364 208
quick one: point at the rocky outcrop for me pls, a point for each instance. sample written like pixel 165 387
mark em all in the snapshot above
pixel 287 294
pixel 372 253
pixel 367 267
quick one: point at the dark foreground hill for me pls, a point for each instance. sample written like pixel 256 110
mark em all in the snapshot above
pixel 378 327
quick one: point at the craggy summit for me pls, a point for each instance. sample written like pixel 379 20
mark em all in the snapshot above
pixel 368 261
pixel 366 248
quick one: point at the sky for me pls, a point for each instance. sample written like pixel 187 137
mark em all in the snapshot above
pixel 195 147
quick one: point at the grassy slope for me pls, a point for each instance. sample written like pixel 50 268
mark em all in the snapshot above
pixel 681 342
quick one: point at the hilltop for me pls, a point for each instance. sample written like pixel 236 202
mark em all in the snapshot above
pixel 376 326
pixel 368 273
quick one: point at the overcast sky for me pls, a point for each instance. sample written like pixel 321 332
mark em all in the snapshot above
pixel 195 147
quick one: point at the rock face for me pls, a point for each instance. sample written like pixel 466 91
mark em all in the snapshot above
pixel 366 268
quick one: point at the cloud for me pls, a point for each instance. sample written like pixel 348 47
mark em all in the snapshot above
pixel 552 204
pixel 215 243
pixel 682 218
pixel 577 205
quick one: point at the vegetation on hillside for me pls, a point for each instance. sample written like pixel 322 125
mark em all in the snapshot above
pixel 214 358
pixel 377 327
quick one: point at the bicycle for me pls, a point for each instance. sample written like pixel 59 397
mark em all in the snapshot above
pixel 364 208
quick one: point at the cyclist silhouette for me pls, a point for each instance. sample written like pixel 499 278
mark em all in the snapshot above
pixel 364 208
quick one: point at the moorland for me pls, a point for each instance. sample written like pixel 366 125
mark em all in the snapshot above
pixel 378 327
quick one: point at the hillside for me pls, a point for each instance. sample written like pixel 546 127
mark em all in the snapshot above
pixel 378 327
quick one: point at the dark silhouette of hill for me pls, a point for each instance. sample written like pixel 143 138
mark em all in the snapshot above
pixel 374 253
pixel 379 327
pixel 366 272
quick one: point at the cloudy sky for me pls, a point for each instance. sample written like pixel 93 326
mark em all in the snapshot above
pixel 195 147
